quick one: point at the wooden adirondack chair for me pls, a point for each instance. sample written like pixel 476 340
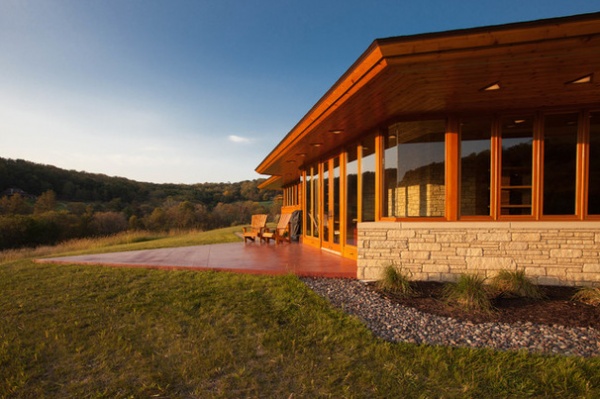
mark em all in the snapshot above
pixel 256 229
pixel 281 232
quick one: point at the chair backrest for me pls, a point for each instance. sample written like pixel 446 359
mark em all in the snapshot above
pixel 259 221
pixel 284 221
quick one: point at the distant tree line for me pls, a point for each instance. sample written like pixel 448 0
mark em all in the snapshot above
pixel 42 204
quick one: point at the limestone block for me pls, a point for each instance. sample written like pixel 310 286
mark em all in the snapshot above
pixel 452 237
pixel 397 234
pixel 424 246
pixel 517 246
pixel 591 268
pixel 566 253
pixel 419 276
pixel 421 255
pixel 526 237
pixel 560 271
pixel 469 251
pixel 490 263
pixel 436 269
pixel 535 271
pixel 549 280
pixel 494 237
pixel 383 244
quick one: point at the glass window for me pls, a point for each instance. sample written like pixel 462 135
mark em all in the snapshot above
pixel 326 201
pixel 475 166
pixel 419 189
pixel 368 179
pixel 390 167
pixel 312 202
pixel 516 169
pixel 351 197
pixel 594 165
pixel 560 164
pixel 336 200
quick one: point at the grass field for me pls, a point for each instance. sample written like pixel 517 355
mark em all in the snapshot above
pixel 74 331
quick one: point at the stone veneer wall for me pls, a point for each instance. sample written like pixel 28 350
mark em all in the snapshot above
pixel 551 253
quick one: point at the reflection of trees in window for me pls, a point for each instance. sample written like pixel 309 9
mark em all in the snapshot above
pixel 336 200
pixel 351 197
pixel 475 174
pixel 312 204
pixel 368 179
pixel 415 186
pixel 594 168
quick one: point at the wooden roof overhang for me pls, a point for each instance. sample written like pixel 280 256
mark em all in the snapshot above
pixel 446 73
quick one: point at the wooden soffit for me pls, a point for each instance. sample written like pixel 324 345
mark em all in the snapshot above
pixel 532 63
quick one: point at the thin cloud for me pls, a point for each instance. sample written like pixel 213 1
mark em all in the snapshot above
pixel 239 139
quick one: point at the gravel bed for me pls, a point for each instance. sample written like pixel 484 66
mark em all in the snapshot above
pixel 397 323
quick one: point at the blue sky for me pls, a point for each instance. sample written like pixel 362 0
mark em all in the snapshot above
pixel 194 91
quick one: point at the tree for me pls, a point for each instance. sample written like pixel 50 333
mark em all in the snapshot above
pixel 45 202
pixel 14 205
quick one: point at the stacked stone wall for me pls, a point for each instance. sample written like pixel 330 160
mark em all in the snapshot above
pixel 551 253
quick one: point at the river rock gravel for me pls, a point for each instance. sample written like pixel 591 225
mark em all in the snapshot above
pixel 396 323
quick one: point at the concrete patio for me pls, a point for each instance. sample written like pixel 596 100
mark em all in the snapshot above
pixel 237 257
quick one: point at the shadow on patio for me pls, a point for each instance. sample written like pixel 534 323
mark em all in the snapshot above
pixel 238 257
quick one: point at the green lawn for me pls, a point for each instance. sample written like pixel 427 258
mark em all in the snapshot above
pixel 95 332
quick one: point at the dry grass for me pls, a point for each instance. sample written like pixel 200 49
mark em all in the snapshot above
pixel 515 284
pixel 469 293
pixel 589 295
pixel 396 281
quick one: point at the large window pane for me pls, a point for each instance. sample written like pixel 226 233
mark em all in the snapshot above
pixel 594 168
pixel 351 197
pixel 336 200
pixel 390 166
pixel 516 169
pixel 475 164
pixel 368 179
pixel 312 202
pixel 560 164
pixel 326 201
pixel 419 189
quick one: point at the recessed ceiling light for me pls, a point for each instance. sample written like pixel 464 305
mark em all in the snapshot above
pixel 335 131
pixel 583 79
pixel 302 154
pixel 517 121
pixel 492 87
pixel 316 144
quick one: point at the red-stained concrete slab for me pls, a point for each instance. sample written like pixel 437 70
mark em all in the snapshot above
pixel 255 258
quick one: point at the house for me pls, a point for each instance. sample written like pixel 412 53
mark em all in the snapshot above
pixel 466 151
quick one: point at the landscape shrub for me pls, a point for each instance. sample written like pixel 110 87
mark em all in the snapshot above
pixel 589 295
pixel 515 284
pixel 396 281
pixel 469 293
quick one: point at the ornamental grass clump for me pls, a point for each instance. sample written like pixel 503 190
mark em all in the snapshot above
pixel 589 295
pixel 515 284
pixel 395 281
pixel 469 293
